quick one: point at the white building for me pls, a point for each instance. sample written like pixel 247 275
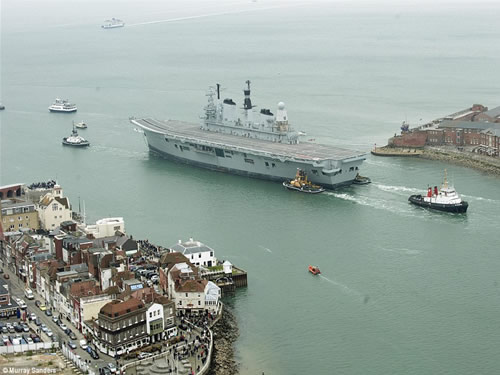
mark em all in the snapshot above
pixel 154 322
pixel 105 227
pixel 53 209
pixel 198 253
pixel 189 292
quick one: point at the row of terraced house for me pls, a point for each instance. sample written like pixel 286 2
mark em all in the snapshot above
pixel 87 274
pixel 475 129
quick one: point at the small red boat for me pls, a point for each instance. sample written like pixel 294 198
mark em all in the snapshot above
pixel 314 270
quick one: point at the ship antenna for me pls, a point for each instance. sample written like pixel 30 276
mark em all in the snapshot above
pixel 445 182
pixel 218 91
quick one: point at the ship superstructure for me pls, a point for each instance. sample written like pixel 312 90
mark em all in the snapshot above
pixel 249 142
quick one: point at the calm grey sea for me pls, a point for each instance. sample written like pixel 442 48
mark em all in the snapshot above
pixel 403 290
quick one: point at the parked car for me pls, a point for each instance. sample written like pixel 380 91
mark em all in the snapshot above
pixel 72 336
pixel 71 345
pixel 43 328
pixel 26 328
pixel 37 303
pixel 93 354
pixel 48 312
pixel 144 355
pixel 29 340
pixel 49 333
pixel 5 339
pixel 5 329
pixel 28 293
pixel 54 338
pixel 63 326
pixel 112 368
pixel 18 327
pixel 155 278
pixel 37 340
pixel 32 316
pixel 67 331
pixel 38 322
pixel 55 319
pixel 21 303
pixel 42 307
pixel 83 344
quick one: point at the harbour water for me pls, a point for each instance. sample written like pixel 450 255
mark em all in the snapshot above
pixel 402 290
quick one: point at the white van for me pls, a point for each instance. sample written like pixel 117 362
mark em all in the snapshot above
pixel 83 344
pixel 171 332
pixel 29 293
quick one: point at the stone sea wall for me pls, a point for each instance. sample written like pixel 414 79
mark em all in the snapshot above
pixel 464 158
pixel 225 334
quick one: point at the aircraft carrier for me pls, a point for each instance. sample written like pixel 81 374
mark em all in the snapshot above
pixel 250 143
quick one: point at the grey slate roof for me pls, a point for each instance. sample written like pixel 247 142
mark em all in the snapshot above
pixel 494 112
pixel 481 125
pixel 190 247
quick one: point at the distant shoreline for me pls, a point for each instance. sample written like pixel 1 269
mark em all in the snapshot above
pixel 448 154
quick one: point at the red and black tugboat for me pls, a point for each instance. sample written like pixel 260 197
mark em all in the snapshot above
pixel 446 199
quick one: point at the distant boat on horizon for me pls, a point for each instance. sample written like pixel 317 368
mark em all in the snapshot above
pixel 113 23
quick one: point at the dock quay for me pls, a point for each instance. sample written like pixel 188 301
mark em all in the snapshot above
pixel 397 151
pixel 227 281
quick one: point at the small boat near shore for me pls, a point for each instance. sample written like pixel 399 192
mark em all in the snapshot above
pixel 361 180
pixel 302 184
pixel 446 199
pixel 75 140
pixel 81 125
pixel 314 270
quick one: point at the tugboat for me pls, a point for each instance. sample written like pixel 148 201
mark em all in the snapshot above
pixel 314 270
pixel 81 125
pixel 446 199
pixel 302 184
pixel 62 105
pixel 75 140
pixel 361 180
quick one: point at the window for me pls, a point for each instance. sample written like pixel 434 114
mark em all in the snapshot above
pixel 211 253
pixel 54 207
pixel 267 164
pixel 199 255
pixel 219 152
pixel 199 303
pixel 314 171
pixel 150 315
pixel 176 146
pixel 186 294
pixel 249 161
pixel 274 165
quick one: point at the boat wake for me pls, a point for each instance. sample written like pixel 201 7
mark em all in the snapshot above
pixel 397 189
pixel 266 249
pixel 402 251
pixel 480 198
pixel 201 16
pixel 344 288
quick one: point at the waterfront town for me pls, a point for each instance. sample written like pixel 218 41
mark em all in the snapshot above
pixel 107 302
pixel 474 130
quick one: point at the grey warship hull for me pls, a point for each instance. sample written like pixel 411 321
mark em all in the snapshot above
pixel 184 142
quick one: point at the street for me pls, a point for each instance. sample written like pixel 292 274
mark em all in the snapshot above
pixel 16 288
